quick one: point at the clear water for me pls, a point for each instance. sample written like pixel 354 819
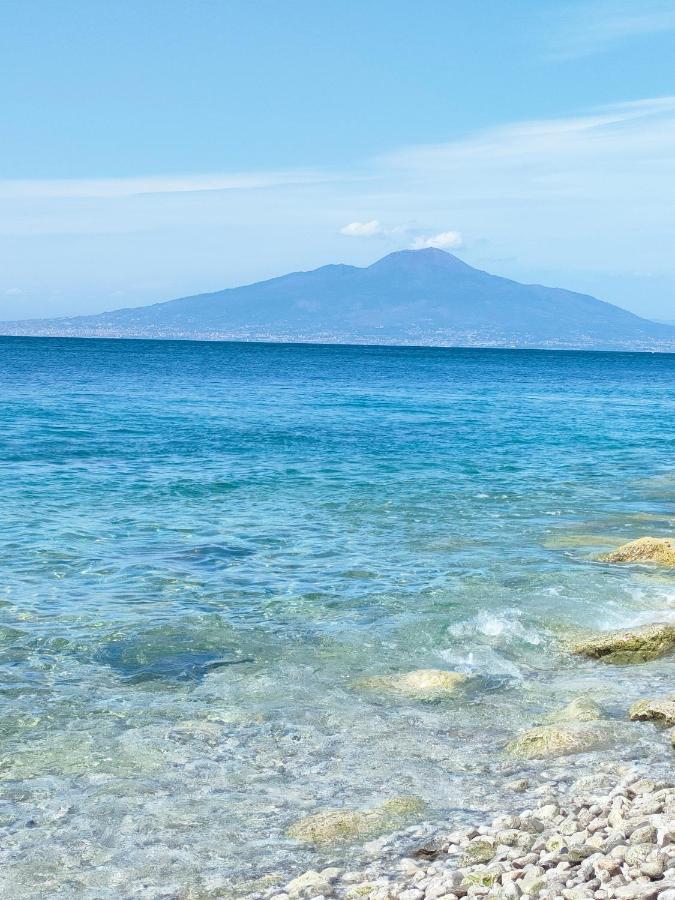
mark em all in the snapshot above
pixel 205 545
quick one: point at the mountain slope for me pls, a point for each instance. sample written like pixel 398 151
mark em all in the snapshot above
pixel 412 296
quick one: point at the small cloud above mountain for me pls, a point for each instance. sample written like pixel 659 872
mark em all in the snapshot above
pixel 363 229
pixel 445 240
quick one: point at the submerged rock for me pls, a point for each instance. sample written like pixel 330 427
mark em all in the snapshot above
pixel 420 684
pixel 581 709
pixel 657 710
pixel 344 825
pixel 549 741
pixel 309 884
pixel 634 645
pixel 660 551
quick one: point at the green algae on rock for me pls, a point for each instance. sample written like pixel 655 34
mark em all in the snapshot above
pixel 344 825
pixel 660 551
pixel 635 645
pixel 660 709
pixel 550 741
pixel 476 852
pixel 420 684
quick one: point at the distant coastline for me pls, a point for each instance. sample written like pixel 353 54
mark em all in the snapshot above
pixel 422 298
pixel 327 341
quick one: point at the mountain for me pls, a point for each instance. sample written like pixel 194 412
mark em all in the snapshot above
pixel 409 297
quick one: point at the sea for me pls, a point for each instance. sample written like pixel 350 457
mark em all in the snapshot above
pixel 208 548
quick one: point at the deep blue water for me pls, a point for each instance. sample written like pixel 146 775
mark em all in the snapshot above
pixel 206 545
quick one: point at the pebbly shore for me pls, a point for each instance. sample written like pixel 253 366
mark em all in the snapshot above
pixel 616 843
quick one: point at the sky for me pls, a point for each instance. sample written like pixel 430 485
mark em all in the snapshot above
pixel 161 148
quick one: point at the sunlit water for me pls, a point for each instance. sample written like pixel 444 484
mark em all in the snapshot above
pixel 205 546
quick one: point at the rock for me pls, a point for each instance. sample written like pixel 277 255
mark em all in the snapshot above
pixel 480 877
pixel 477 852
pixel 645 834
pixel 660 551
pixel 581 709
pixel 343 825
pixel 635 645
pixel 547 741
pixel 309 884
pixel 637 890
pixel 657 710
pixel 519 786
pixel 420 684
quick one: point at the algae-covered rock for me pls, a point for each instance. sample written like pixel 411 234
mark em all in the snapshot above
pixel 635 645
pixel 477 852
pixel 660 551
pixel 344 825
pixel 581 709
pixel 480 877
pixel 660 710
pixel 564 739
pixel 420 684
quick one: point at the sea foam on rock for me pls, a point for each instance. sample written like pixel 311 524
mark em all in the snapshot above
pixel 627 646
pixel 660 551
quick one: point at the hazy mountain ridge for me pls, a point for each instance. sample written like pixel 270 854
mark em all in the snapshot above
pixel 411 296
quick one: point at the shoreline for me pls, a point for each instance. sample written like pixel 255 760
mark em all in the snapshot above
pixel 606 836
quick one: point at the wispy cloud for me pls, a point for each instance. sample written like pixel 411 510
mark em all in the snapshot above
pixel 581 29
pixel 363 229
pixel 157 184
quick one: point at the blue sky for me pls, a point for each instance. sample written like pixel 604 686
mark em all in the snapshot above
pixel 156 149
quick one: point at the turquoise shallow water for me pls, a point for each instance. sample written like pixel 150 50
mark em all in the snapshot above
pixel 206 545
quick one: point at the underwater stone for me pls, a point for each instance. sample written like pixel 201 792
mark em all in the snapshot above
pixel 546 741
pixel 309 884
pixel 659 551
pixel 420 684
pixel 343 825
pixel 634 645
pixel 581 709
pixel 658 710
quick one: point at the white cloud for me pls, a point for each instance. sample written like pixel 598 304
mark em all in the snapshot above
pixel 363 229
pixel 582 29
pixel 446 240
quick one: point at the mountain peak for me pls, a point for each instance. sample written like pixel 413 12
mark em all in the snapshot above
pixel 419 260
